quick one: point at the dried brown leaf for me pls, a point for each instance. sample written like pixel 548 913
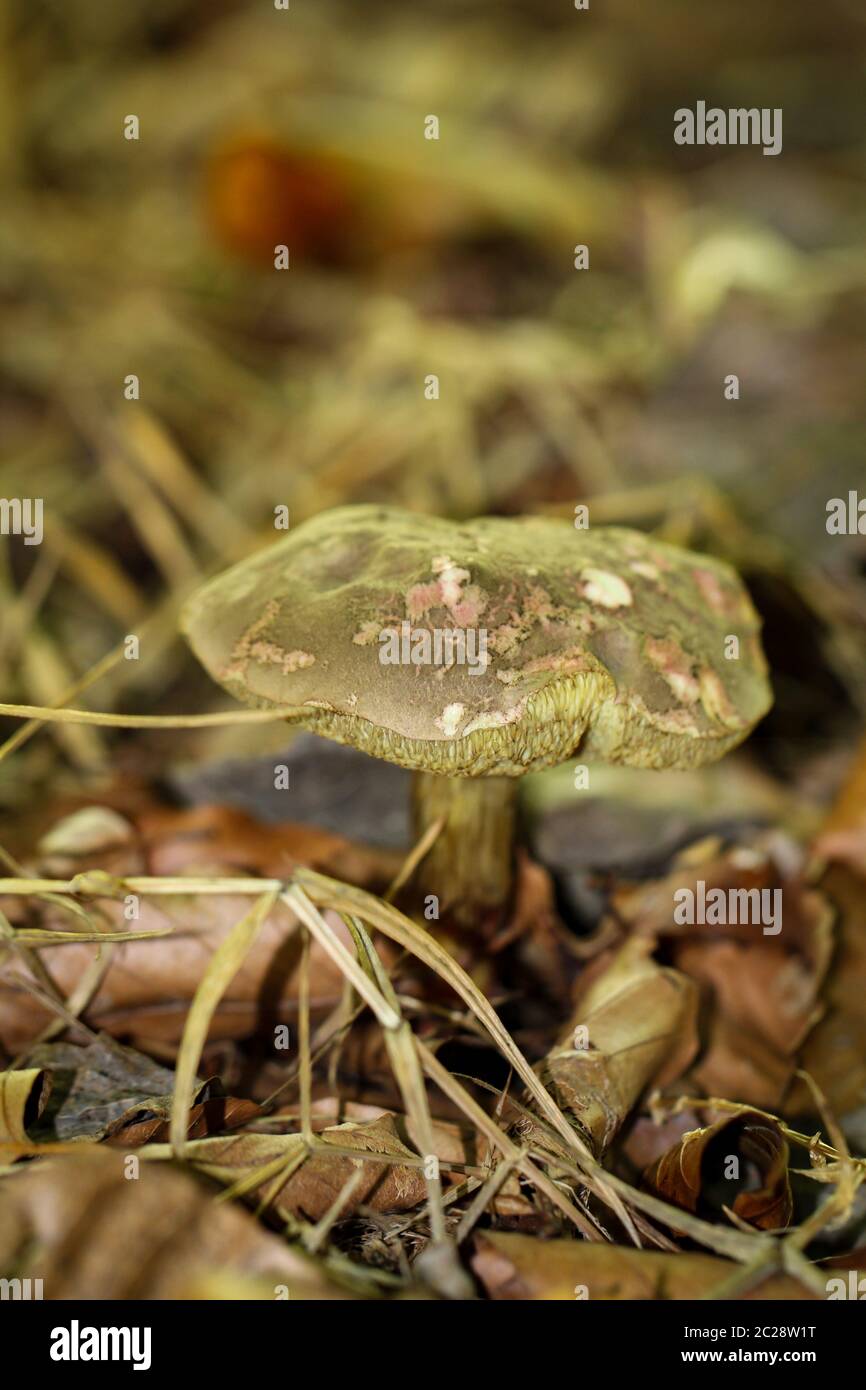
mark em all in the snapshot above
pixel 310 1189
pixel 145 993
pixel 761 993
pixel 633 1025
pixel 151 1124
pixel 514 1266
pixel 22 1098
pixel 722 1155
pixel 88 1231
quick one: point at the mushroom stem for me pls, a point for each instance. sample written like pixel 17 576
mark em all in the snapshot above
pixel 469 866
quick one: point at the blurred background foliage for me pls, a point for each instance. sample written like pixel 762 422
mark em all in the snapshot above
pixel 412 257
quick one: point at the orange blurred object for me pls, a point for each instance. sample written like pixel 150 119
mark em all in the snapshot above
pixel 260 194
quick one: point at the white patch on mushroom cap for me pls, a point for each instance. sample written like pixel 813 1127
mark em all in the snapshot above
pixel 606 589
pixel 451 579
pixel 646 569
pixel 497 719
pixel 715 701
pixel 271 654
pixel 368 632
pixel 675 667
pixel 449 720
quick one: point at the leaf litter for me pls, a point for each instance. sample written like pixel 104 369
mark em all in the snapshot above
pixel 324 1091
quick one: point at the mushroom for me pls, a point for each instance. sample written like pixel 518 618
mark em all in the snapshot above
pixel 473 652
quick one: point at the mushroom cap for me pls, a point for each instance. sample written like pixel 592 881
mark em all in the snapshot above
pixel 600 642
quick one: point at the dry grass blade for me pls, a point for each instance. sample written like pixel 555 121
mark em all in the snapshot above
pixel 452 1088
pixel 45 936
pixel 277 1173
pixel 356 902
pixel 144 436
pixel 41 978
pixel 22 609
pixel 352 901
pixel 47 714
pixel 723 1241
pixel 299 902
pixel 220 971
pixel 46 672
pixel 408 1074
pixel 305 1064
pixel 97 572
pixel 851 1175
pixel 101 669
pixel 99 885
pixel 280 1168
pixel 371 982
pixel 316 1236
pixel 486 1193
pixel 157 528
pixel 69 1010
pixel 414 857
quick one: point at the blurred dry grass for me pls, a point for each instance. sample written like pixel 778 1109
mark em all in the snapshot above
pixel 411 257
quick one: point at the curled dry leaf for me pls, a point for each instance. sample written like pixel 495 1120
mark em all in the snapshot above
pixel 151 1123
pixel 514 1266
pixel 651 1135
pixel 710 1167
pixel 89 1232
pixel 23 1095
pixel 633 1025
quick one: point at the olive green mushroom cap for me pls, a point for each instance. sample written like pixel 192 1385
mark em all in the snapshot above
pixel 488 647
